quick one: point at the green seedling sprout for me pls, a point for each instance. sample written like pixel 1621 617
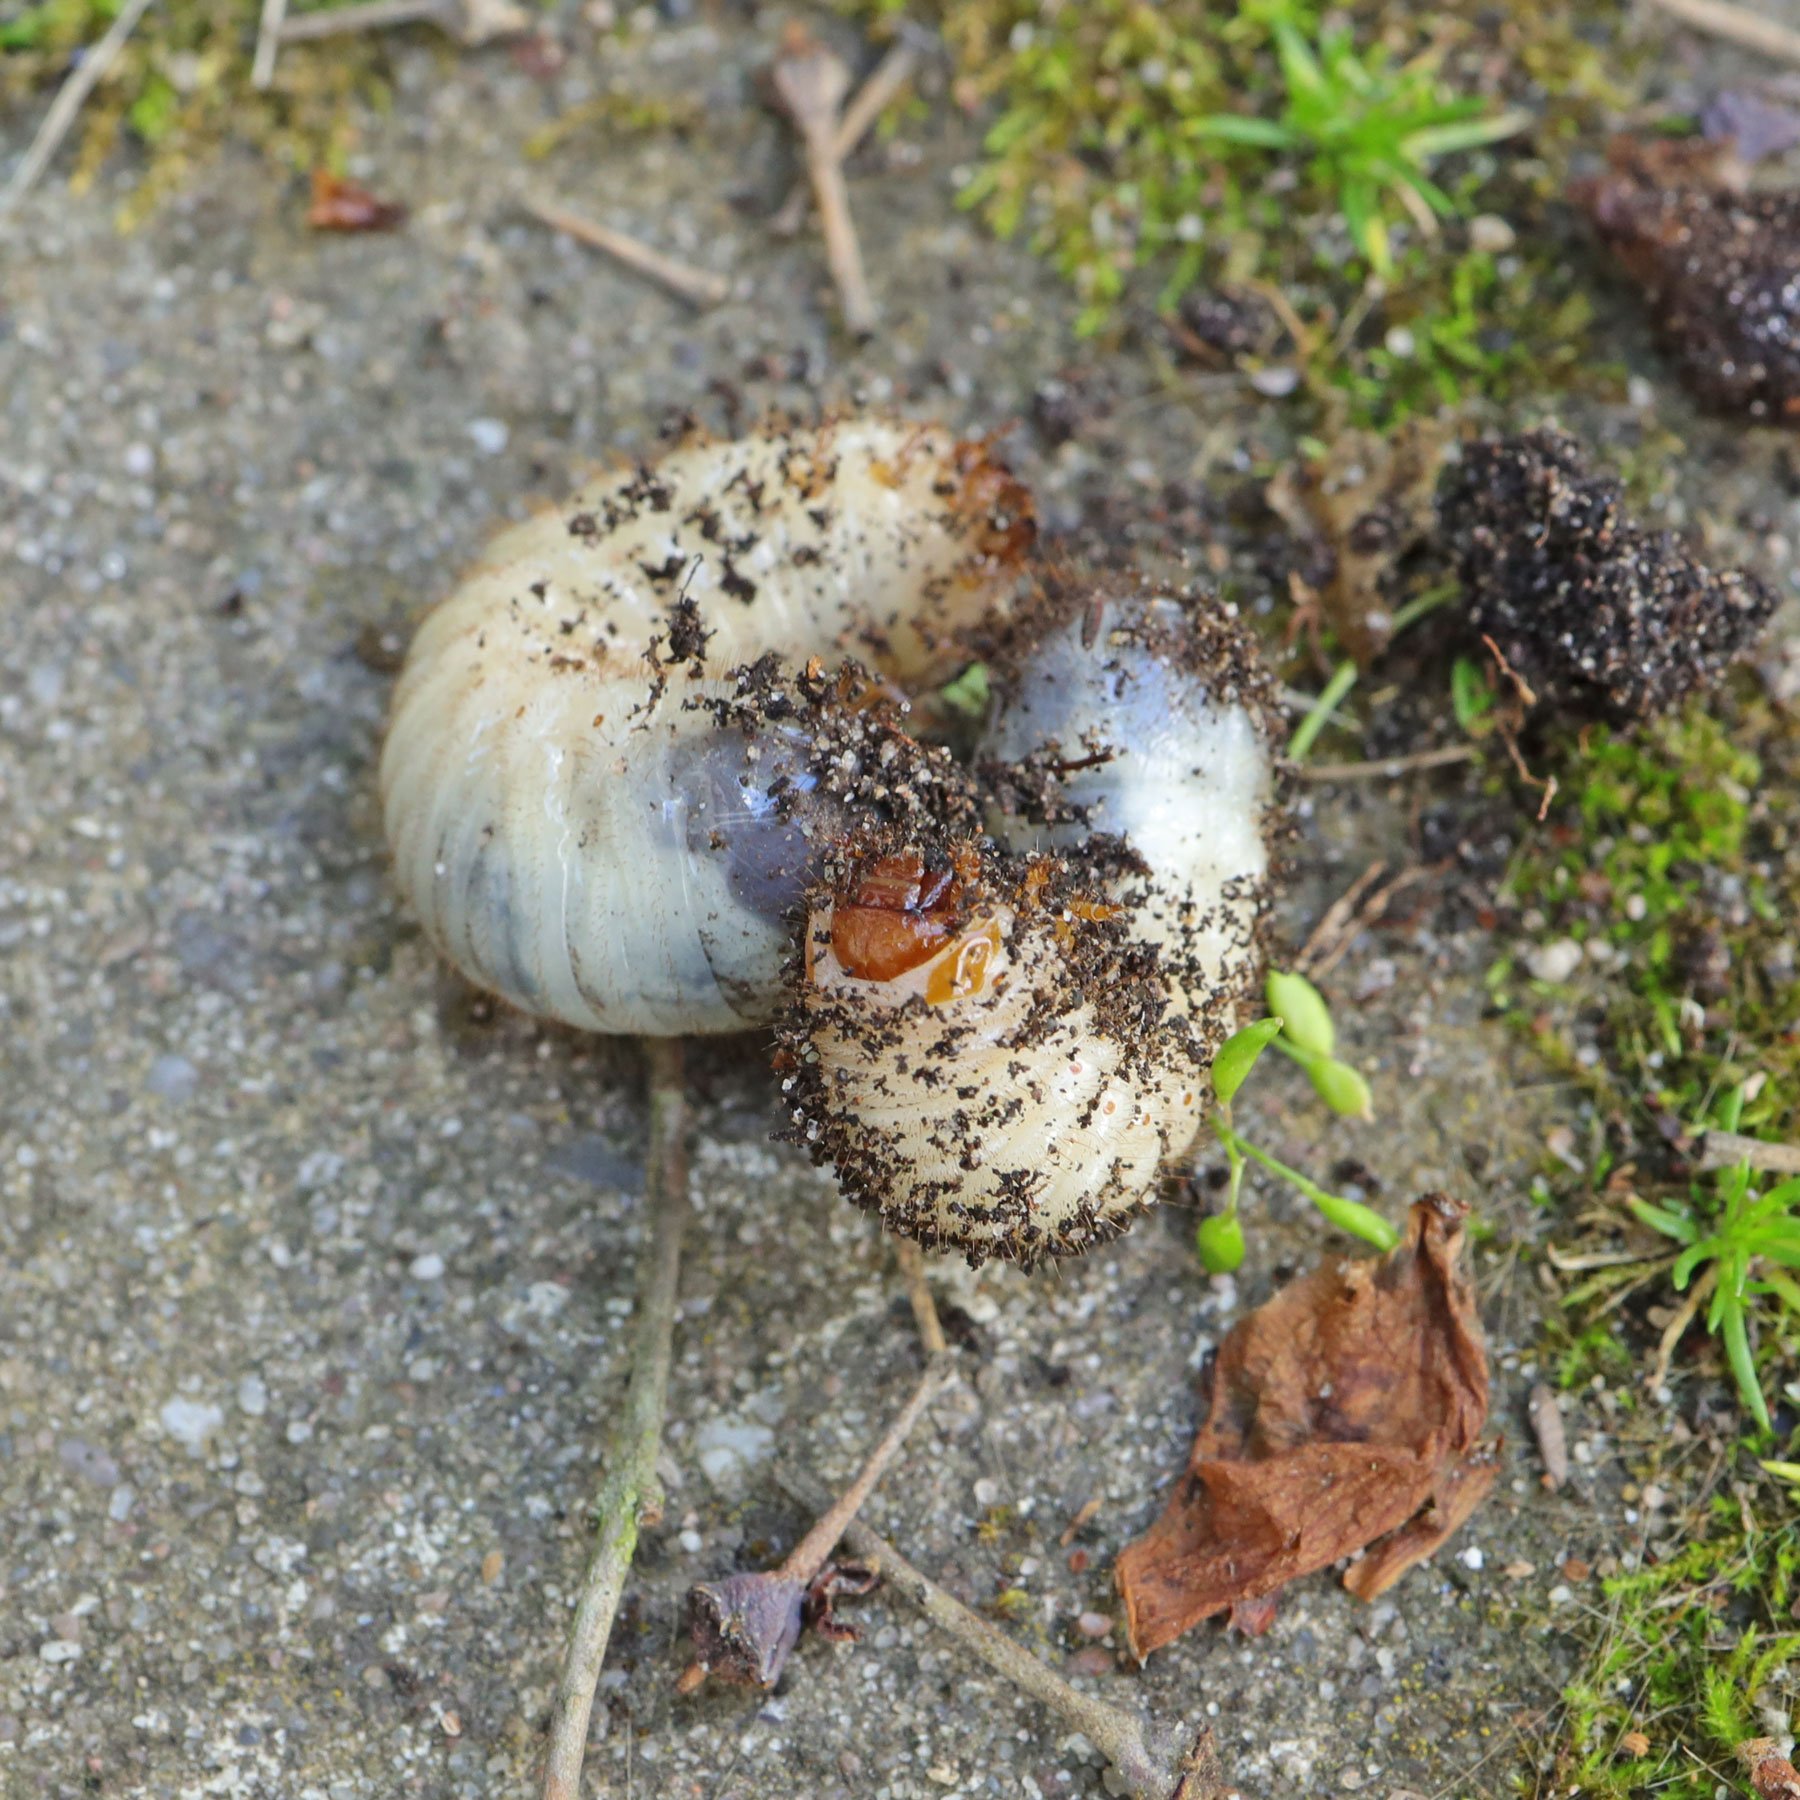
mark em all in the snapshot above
pixel 1370 133
pixel 1749 1241
pixel 1300 1025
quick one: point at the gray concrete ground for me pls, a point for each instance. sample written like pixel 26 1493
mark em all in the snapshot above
pixel 315 1277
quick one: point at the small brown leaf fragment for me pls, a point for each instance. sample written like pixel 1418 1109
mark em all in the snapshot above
pixel 341 205
pixel 1634 1744
pixel 1364 506
pixel 1771 1774
pixel 1547 1428
pixel 1344 1414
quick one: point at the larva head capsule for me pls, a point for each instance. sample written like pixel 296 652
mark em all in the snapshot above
pixel 986 1051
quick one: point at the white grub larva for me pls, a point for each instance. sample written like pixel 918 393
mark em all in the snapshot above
pixel 572 820
pixel 1001 1050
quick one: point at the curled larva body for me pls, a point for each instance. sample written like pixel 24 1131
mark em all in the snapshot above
pixel 572 824
pixel 1005 1061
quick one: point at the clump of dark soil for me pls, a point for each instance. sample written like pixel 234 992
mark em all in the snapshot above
pixel 1720 271
pixel 1600 616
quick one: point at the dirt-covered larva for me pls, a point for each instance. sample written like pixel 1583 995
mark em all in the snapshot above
pixel 569 819
pixel 648 772
pixel 1001 1050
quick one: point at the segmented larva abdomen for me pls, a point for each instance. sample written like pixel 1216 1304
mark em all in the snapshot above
pixel 1014 1094
pixel 1004 1058
pixel 573 828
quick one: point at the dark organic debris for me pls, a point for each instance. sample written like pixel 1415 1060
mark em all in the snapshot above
pixel 744 1628
pixel 1344 1414
pixel 341 205
pixel 1365 504
pixel 1592 611
pixel 1221 326
pixel 1721 274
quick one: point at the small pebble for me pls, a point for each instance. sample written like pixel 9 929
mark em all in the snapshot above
pixel 191 1422
pixel 489 436
pixel 1554 962
pixel 1491 233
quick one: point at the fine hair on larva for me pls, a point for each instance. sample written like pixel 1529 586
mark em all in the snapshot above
pixel 652 769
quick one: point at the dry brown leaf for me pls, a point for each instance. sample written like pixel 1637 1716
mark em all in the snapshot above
pixel 1344 1411
pixel 1771 1774
pixel 338 204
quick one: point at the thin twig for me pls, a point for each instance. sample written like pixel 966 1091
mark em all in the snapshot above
pixel 1377 770
pixel 918 1291
pixel 1151 1764
pixel 83 79
pixel 1723 1149
pixel 873 98
pixel 699 287
pixel 1676 1329
pixel 810 81
pixel 1739 24
pixel 1337 916
pixel 630 1494
pixel 472 22
pixel 373 15
pixel 867 105
pixel 1373 911
pixel 268 42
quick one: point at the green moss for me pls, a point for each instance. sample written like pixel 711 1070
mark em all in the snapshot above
pixel 1242 146
pixel 611 116
pixel 181 88
pixel 1692 1643
pixel 1675 848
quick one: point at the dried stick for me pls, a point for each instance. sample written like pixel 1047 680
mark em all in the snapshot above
pixel 745 1627
pixel 1721 1149
pixel 1379 768
pixel 268 42
pixel 471 21
pixel 630 1494
pixel 1676 1329
pixel 699 287
pixel 83 79
pixel 810 81
pixel 1739 24
pixel 867 105
pixel 873 98
pixel 1152 1764
pixel 918 1291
